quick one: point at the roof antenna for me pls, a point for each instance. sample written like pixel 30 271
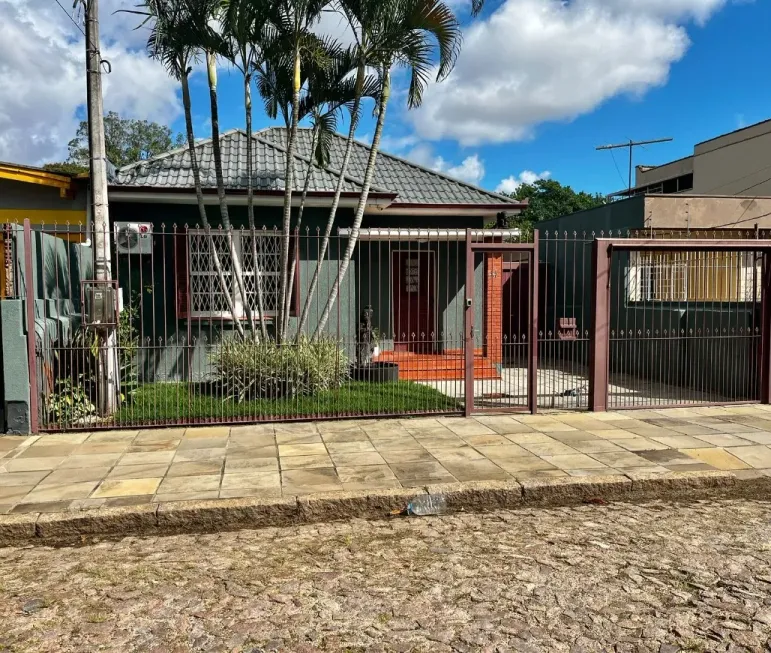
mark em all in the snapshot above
pixel 631 145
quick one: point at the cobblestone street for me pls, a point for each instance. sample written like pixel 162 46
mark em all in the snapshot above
pixel 595 578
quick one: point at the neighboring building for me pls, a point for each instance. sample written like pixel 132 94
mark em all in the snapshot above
pixel 737 163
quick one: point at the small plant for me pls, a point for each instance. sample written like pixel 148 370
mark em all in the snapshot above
pixel 247 370
pixel 69 402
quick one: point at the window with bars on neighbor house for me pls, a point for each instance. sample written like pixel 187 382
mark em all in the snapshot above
pixel 200 293
pixel 668 276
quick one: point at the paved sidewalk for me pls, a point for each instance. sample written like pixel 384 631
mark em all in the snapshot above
pixel 77 471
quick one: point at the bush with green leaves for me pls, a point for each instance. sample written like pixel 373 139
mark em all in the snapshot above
pixel 246 370
pixel 69 402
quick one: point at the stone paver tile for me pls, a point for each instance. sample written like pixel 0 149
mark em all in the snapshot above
pixel 550 426
pixel 62 438
pixel 725 440
pixel 640 444
pixel 78 505
pixel 667 457
pixel 195 468
pixel 614 434
pixel 152 435
pixel 758 456
pixel 401 444
pixel 251 452
pixel 252 430
pixel 5 508
pixel 695 429
pixel 199 454
pixel 112 436
pixel 466 427
pixel 252 492
pixel 358 446
pixel 461 454
pixel 91 448
pixel 608 471
pixel 207 432
pixel 626 424
pixel 654 432
pixel 621 459
pixel 64 476
pixel 441 443
pixel 91 460
pixel 758 437
pixel 407 456
pixel 718 458
pixel 147 458
pixel 244 480
pixel 12 479
pixel 32 464
pixel 154 470
pixel 697 467
pixel 552 448
pixel 296 428
pixel 45 506
pixel 596 446
pixel 731 427
pixel 357 459
pixel 540 473
pixel 51 451
pixel 159 445
pixel 523 464
pixel 486 440
pixel 476 470
pixel 298 438
pixel 574 461
pixel 528 438
pixel 126 487
pixel 356 435
pixel 306 481
pixel 503 452
pixel 421 471
pixel 246 464
pixel 504 425
pixel 256 440
pixel 376 476
pixel 209 483
pixel 325 428
pixel 583 423
pixel 8 442
pixel 679 441
pixel 14 493
pixel 420 423
pixel 43 493
pixel 131 500
pixel 202 443
pixel 302 462
pixel 650 469
pixel 186 496
pixel 569 437
pixel 301 449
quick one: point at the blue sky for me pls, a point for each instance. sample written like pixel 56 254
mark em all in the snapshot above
pixel 719 84
pixel 538 85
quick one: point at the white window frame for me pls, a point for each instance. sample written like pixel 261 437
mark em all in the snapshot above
pixel 195 236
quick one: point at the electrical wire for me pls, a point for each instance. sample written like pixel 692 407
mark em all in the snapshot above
pixel 618 170
pixel 67 13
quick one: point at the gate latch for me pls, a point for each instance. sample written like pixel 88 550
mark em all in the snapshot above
pixel 469 302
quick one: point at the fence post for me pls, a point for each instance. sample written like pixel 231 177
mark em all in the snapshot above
pixel 600 334
pixel 532 386
pixel 765 332
pixel 29 300
pixel 468 327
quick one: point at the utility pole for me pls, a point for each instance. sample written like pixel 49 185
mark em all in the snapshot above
pixel 107 381
pixel 631 145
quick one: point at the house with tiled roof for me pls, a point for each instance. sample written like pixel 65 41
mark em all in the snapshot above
pixel 409 265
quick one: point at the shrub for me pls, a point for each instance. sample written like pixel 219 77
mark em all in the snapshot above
pixel 246 370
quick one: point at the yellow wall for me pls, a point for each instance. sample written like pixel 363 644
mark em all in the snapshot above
pixel 43 216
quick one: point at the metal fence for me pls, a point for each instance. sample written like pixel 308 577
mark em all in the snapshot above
pixel 425 321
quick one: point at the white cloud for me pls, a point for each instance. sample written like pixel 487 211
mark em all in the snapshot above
pixel 42 86
pixel 533 61
pixel 471 169
pixel 510 184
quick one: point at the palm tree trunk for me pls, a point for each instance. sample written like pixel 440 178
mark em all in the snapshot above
pixel 306 186
pixel 250 206
pixel 289 181
pixel 216 151
pixel 335 202
pixel 359 216
pixel 201 206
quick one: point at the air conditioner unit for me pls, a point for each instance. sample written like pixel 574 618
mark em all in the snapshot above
pixel 134 237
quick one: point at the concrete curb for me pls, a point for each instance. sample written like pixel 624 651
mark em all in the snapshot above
pixel 233 514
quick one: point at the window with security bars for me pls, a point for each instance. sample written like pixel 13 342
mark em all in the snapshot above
pixel 693 276
pixel 258 256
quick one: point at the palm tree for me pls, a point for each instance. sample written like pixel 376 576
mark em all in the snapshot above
pixel 403 33
pixel 169 43
pixel 244 25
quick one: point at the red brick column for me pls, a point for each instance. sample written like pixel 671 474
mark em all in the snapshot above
pixel 494 307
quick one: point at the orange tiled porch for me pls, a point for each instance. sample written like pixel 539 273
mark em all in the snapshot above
pixel 448 366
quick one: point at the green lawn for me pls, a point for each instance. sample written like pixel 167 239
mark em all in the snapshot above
pixel 176 401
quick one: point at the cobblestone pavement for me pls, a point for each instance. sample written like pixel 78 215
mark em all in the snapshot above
pixel 85 471
pixel 658 578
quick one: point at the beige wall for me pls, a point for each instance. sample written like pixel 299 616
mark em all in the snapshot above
pixel 694 212
pixel 738 163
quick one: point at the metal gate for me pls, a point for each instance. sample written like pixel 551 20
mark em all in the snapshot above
pixel 500 321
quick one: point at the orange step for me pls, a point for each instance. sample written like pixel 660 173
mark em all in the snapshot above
pixel 438 367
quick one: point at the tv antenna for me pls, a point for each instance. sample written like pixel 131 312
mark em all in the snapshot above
pixel 631 145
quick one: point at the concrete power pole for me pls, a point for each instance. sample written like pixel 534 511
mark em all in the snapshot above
pixel 107 381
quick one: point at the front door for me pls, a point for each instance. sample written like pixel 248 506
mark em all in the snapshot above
pixel 414 281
